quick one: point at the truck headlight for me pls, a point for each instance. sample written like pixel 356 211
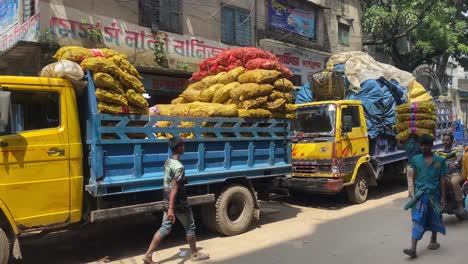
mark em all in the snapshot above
pixel 335 169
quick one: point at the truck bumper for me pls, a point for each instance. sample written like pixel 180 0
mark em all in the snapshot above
pixel 313 185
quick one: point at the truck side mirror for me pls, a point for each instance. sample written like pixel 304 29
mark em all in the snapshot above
pixel 4 109
pixel 346 124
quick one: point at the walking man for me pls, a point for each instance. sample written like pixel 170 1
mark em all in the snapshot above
pixel 428 201
pixel 175 198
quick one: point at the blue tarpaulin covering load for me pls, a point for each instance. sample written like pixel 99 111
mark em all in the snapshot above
pixel 304 95
pixel 379 98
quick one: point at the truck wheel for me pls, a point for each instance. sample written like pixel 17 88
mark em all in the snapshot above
pixel 234 210
pixel 4 247
pixel 208 216
pixel 357 193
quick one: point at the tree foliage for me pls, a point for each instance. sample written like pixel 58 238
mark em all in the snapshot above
pixel 415 32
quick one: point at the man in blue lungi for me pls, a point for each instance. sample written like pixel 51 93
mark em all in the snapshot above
pixel 428 201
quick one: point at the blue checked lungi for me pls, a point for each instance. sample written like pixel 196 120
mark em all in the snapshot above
pixel 425 218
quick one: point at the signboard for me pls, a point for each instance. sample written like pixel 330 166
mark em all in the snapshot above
pixel 164 83
pixel 8 14
pixel 28 31
pixel 300 61
pixel 183 52
pixel 291 19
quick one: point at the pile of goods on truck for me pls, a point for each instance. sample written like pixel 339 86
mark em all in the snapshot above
pixel 381 88
pixel 240 82
pixel 418 118
pixel 118 86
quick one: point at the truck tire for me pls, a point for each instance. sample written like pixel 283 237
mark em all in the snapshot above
pixel 357 193
pixel 4 247
pixel 234 210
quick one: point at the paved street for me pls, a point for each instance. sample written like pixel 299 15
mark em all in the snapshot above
pixel 316 229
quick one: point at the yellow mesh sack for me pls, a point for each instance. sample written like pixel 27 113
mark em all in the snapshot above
pixel 191 95
pixel 106 81
pixel 236 72
pixel 417 107
pixel 250 90
pixel 111 97
pixel 225 78
pixel 136 99
pixel 73 53
pixel 259 76
pixel 207 94
pixel 404 135
pixel 253 103
pixel 210 80
pixel 428 124
pixel 223 94
pixel 254 113
pixel 100 64
pixel 199 109
pixel 110 109
pixel 198 86
pixel 408 116
pixel 284 95
pixel 121 61
pixel 132 82
pixel 173 110
pixel 284 84
pixel 179 100
pixel 78 54
pixel 277 105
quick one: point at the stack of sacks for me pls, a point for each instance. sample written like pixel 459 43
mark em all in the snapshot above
pixel 256 93
pixel 418 118
pixel 249 58
pixel 118 86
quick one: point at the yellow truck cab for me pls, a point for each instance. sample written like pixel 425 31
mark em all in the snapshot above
pixel 41 176
pixel 330 149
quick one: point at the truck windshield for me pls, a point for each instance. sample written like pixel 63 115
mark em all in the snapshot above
pixel 318 119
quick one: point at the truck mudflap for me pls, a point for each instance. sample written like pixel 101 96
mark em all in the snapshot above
pixel 309 184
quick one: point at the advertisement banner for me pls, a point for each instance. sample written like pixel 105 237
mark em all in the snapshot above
pixel 300 61
pixel 8 14
pixel 184 52
pixel 291 19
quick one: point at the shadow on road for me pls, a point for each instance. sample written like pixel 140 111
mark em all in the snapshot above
pixel 375 234
pixel 113 241
pixel 339 201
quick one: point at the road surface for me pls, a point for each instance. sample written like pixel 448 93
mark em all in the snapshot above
pixel 316 229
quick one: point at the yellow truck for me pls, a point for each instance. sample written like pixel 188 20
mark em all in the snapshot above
pixel 62 162
pixel 332 151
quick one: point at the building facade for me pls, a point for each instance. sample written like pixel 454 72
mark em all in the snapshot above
pixel 303 34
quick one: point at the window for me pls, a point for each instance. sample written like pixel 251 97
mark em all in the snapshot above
pixel 236 26
pixel 29 9
pixel 164 15
pixel 342 6
pixel 343 34
pixel 33 111
pixel 352 111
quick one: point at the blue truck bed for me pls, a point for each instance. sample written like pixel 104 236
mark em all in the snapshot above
pixel 126 155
